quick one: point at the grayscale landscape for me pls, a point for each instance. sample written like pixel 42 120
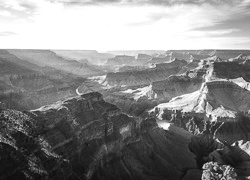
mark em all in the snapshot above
pixel 125 90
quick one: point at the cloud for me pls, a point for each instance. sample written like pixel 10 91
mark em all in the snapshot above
pixel 7 33
pixel 146 2
pixel 125 24
pixel 235 22
pixel 5 14
pixel 20 8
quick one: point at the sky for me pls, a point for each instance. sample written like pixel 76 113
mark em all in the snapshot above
pixel 125 24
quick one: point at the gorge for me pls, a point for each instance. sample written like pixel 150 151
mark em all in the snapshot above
pixel 175 114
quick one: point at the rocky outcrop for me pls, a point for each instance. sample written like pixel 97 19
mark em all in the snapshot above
pixel 85 138
pixel 129 105
pixel 145 77
pixel 240 59
pixel 24 154
pixel 175 86
pixel 219 99
pixel 212 170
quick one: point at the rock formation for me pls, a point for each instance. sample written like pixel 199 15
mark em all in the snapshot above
pixel 175 86
pixel 185 119
pixel 86 138
pixel 24 85
pixel 231 70
pixel 145 77
pixel 219 99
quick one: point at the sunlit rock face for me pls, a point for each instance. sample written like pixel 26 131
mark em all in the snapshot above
pixel 145 77
pixel 223 93
pixel 86 138
pixel 175 86
pixel 240 59
pixel 218 99
pixel 214 171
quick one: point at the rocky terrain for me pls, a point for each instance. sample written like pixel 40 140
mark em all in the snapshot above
pixel 203 54
pixel 85 138
pixel 147 76
pixel 177 114
pixel 24 85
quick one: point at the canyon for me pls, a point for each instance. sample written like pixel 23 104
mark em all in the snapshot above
pixel 78 114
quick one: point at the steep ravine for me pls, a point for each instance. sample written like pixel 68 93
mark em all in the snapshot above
pixel 86 138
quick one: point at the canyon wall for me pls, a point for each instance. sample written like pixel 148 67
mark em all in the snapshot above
pixel 145 77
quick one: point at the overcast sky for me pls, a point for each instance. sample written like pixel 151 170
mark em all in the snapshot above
pixel 125 24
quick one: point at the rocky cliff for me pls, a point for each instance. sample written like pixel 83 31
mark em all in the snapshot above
pixel 86 138
pixel 175 86
pixel 231 70
pixel 219 99
pixel 24 85
pixel 145 77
